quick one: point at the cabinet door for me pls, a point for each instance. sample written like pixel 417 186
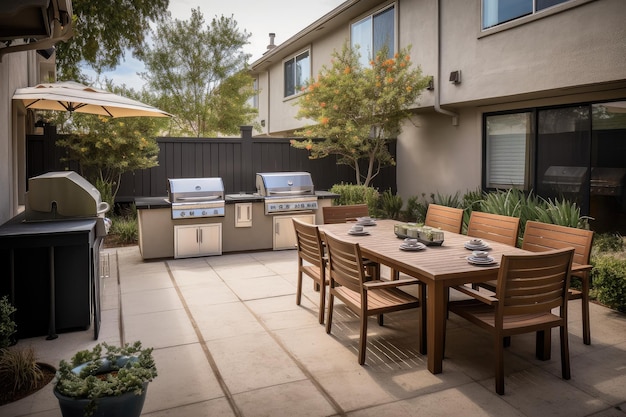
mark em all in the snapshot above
pixel 284 233
pixel 186 241
pixel 210 239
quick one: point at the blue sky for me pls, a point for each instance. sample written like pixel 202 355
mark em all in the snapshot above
pixel 285 18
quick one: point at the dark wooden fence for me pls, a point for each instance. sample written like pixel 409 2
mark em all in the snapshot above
pixel 235 160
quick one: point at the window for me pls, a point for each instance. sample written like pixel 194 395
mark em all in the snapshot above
pixel 496 12
pixel 573 152
pixel 374 32
pixel 508 139
pixel 297 72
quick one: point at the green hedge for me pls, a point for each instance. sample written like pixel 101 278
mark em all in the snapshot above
pixel 609 280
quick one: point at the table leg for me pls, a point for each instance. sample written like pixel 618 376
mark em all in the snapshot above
pixel 436 316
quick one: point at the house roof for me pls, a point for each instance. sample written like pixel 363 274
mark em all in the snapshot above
pixel 325 24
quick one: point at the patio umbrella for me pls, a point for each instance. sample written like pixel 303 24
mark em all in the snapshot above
pixel 75 97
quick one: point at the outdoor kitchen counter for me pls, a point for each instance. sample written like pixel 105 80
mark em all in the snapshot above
pixel 156 227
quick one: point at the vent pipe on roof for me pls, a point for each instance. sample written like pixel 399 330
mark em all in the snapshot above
pixel 455 116
pixel 271 45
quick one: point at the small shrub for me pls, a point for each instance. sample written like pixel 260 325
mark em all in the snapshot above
pixel 609 281
pixel 415 210
pixel 608 242
pixel 20 366
pixel 391 204
pixel 350 194
pixel 446 200
pixel 125 230
pixel 7 325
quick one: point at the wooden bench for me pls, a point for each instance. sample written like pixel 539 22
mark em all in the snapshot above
pixel 343 214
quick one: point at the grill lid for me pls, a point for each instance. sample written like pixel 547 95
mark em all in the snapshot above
pixel 284 184
pixel 195 190
pixel 62 195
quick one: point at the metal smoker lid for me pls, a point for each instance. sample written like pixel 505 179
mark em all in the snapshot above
pixel 284 183
pixel 195 188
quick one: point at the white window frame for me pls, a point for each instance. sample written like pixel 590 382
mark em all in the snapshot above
pixel 365 58
pixel 294 58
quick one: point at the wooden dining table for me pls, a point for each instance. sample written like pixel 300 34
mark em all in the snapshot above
pixel 437 267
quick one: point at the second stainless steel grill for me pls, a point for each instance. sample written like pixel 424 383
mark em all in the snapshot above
pixel 196 197
pixel 286 191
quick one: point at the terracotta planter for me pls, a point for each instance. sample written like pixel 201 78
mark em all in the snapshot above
pixel 128 405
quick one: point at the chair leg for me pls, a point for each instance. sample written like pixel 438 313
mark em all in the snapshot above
pixel 565 368
pixel 299 290
pixel 363 339
pixel 421 321
pixel 322 303
pixel 585 309
pixel 499 351
pixel 329 318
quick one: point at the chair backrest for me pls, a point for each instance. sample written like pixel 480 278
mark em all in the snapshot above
pixel 346 263
pixel 445 218
pixel 533 283
pixel 539 237
pixel 309 242
pixel 503 229
pixel 343 214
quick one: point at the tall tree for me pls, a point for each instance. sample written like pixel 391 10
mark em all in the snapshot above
pixel 104 31
pixel 357 110
pixel 200 73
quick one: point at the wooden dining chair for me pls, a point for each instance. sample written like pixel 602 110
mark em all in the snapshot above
pixel 363 296
pixel 503 229
pixel 311 261
pixel 539 237
pixel 445 218
pixel 350 213
pixel 528 288
pixel 343 214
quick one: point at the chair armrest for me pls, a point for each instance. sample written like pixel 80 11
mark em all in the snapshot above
pixel 580 269
pixel 487 299
pixel 378 284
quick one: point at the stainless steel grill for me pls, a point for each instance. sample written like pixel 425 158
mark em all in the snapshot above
pixel 196 197
pixel 565 179
pixel 64 195
pixel 607 181
pixel 286 191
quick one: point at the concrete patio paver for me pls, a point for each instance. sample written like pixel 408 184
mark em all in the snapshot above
pixel 229 341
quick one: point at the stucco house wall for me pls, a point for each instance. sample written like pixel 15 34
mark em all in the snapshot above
pixel 572 53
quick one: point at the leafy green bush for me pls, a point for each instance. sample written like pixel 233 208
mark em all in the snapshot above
pixel 562 213
pixel 125 229
pixel 608 242
pixel 391 204
pixel 446 200
pixel 7 325
pixel 609 281
pixel 415 210
pixel 356 194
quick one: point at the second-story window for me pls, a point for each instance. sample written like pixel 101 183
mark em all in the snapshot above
pixel 373 32
pixel 496 12
pixel 297 72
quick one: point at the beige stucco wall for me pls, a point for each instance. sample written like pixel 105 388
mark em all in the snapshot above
pixel 425 162
pixel 13 74
pixel 580 46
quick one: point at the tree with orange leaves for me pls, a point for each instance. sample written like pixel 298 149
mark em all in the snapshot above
pixel 357 110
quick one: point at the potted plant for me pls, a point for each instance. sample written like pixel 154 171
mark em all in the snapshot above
pixel 105 381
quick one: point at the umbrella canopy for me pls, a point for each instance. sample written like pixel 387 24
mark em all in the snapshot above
pixel 75 97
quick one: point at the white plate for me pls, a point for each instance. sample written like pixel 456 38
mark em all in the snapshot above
pixel 363 233
pixel 417 247
pixel 366 223
pixel 474 247
pixel 481 261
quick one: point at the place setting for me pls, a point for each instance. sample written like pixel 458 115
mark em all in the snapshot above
pixel 480 258
pixel 365 221
pixel 412 245
pixel 358 230
pixel 476 245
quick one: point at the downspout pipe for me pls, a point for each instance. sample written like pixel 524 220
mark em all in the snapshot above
pixel 438 109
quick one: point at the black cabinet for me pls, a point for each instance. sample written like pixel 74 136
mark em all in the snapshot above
pixel 50 270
